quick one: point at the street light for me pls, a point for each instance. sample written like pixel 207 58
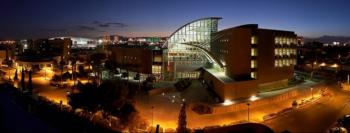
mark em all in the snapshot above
pixel 152 118
pixel 248 110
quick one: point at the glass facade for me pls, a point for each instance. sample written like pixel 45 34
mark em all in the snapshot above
pixel 183 58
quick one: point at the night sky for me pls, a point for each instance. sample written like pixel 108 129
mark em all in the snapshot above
pixel 92 18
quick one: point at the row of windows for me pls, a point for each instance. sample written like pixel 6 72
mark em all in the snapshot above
pixel 223 51
pixel 285 51
pixel 223 40
pixel 129 58
pixel 285 40
pixel 285 62
pixel 181 62
pixel 187 74
pixel 156 69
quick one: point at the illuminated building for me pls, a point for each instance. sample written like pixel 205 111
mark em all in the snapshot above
pixel 188 49
pixel 144 60
pixel 237 62
pixel 255 60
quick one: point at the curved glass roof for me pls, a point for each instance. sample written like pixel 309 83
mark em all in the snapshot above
pixel 198 31
pixel 191 42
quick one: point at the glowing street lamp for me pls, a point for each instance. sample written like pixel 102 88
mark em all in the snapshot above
pixel 248 104
pixel 152 117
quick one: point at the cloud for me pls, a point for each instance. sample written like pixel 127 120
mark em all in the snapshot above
pixel 109 24
pixel 84 27
pixel 53 30
pixel 96 22
pixel 103 25
pixel 118 24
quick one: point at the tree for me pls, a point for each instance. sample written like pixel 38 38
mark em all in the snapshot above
pixel 73 65
pixel 9 64
pixel 61 65
pixel 16 76
pixel 111 96
pixel 22 80
pixel 181 125
pixel 96 60
pixel 30 84
pixel 110 66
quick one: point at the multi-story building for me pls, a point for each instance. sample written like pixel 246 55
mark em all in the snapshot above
pixel 187 49
pixel 254 59
pixel 238 62
pixel 144 60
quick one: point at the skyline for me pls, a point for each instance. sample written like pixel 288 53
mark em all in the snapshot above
pixel 41 19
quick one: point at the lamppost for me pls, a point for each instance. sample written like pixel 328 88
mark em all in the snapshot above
pixel 312 94
pixel 9 73
pixel 45 72
pixel 152 117
pixel 248 110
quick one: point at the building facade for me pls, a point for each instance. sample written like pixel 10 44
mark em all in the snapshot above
pixel 255 60
pixel 138 59
pixel 187 48
pixel 237 62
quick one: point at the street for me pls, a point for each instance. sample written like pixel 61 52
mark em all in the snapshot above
pixel 317 117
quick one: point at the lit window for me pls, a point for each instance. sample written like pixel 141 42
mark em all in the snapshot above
pixel 276 63
pixel 284 40
pixel 289 51
pixel 276 40
pixel 280 63
pixel 276 52
pixel 253 75
pixel 288 41
pixel 280 53
pixel 253 64
pixel 254 52
pixel 254 40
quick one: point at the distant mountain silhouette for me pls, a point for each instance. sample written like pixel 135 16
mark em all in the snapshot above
pixel 329 39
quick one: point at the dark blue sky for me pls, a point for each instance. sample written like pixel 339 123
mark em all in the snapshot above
pixel 47 18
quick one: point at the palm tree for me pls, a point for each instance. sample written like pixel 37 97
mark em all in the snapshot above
pixel 9 64
pixel 73 65
pixel 22 80
pixel 16 76
pixel 61 65
pixel 30 84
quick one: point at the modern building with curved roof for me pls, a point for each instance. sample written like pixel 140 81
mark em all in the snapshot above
pixel 237 62
pixel 189 48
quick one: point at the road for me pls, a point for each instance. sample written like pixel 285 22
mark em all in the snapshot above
pixel 317 117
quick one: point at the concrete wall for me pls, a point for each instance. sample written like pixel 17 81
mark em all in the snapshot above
pixel 289 96
pixel 231 90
